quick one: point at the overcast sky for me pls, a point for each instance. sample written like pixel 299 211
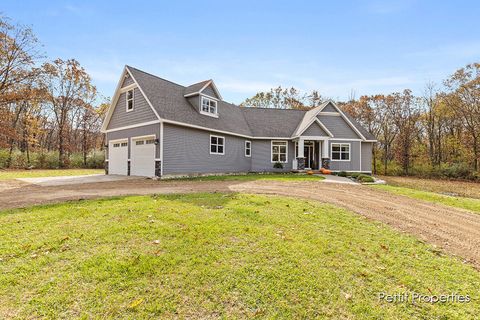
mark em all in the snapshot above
pixel 336 47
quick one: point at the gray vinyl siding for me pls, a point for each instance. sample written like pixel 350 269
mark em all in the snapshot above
pixel 329 108
pixel 187 150
pixel 353 164
pixel 210 92
pixel 141 111
pixel 136 132
pixel 367 156
pixel 262 158
pixel 314 130
pixel 338 127
pixel 195 102
pixel 127 81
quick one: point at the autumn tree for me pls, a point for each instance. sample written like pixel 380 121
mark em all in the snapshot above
pixel 18 55
pixel 464 99
pixel 284 98
pixel 69 89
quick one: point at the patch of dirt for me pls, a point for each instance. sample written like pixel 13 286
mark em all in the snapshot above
pixel 454 230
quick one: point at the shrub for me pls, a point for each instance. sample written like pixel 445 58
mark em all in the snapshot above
pixel 342 174
pixel 96 160
pixel 365 178
pixel 457 171
pixel 278 165
pixel 353 174
pixel 3 158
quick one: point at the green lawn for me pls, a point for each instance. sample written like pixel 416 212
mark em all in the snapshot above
pixel 459 202
pixel 257 176
pixel 218 256
pixel 13 174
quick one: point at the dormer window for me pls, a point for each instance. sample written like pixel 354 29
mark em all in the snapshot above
pixel 208 106
pixel 129 100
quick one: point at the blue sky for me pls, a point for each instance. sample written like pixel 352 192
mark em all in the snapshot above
pixel 336 47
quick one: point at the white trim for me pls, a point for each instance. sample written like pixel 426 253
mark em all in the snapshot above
pixel 132 126
pixel 210 82
pixel 316 138
pixel 209 97
pixel 286 151
pixel 211 114
pixel 133 100
pixel 346 119
pixel 118 140
pixel 344 139
pixel 129 87
pixel 144 137
pixel 324 127
pixel 250 148
pixel 144 95
pixel 360 156
pixel 349 152
pixel 327 113
pixel 207 129
pixel 116 96
pixel 161 149
pixel 210 145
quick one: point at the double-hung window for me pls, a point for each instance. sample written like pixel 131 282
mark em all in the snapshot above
pixel 209 106
pixel 248 148
pixel 341 151
pixel 129 100
pixel 217 145
pixel 279 151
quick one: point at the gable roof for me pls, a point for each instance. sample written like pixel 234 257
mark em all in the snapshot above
pixel 196 87
pixel 169 103
pixel 199 87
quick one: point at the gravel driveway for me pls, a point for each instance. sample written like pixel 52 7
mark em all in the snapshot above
pixel 454 230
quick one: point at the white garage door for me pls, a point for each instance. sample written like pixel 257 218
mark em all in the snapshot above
pixel 143 157
pixel 117 157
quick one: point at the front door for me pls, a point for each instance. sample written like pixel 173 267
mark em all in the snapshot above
pixel 309 155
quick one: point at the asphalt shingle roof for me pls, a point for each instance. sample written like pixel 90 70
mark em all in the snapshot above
pixel 167 98
pixel 196 87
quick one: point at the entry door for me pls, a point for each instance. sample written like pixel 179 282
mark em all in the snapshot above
pixel 117 157
pixel 308 153
pixel 143 157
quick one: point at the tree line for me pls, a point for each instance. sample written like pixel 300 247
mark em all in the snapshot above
pixel 50 112
pixel 435 134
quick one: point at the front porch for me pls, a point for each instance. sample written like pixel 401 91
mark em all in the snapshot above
pixel 311 153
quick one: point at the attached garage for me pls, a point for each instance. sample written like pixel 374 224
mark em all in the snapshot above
pixel 118 157
pixel 143 156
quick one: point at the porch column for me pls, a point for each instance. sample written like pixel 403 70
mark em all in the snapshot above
pixel 300 155
pixel 325 154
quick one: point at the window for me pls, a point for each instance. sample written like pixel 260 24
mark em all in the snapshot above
pixel 217 145
pixel 248 148
pixel 341 151
pixel 116 145
pixel 124 144
pixel 209 106
pixel 139 142
pixel 279 151
pixel 129 100
pixel 150 141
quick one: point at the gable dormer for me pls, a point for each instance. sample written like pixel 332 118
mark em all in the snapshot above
pixel 204 97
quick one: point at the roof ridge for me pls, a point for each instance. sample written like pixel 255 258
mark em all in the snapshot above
pixel 265 108
pixel 151 74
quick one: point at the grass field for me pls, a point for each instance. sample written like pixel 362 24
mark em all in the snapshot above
pixel 256 176
pixel 458 188
pixel 458 202
pixel 218 256
pixel 13 174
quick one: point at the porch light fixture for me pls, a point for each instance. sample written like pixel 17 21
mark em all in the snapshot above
pixel 157 141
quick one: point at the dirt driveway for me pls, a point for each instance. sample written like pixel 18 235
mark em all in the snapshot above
pixel 456 231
